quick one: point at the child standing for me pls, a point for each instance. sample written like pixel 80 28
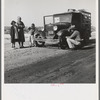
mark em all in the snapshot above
pixel 31 34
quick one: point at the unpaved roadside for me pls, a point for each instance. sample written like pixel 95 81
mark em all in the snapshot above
pixel 49 64
pixel 52 66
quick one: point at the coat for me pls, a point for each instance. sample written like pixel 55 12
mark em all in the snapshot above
pixel 14 34
pixel 21 27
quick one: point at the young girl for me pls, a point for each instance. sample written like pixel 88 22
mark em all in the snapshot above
pixel 14 34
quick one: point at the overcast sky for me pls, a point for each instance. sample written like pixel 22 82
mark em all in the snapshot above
pixel 32 11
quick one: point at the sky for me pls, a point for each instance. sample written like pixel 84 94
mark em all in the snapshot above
pixel 32 11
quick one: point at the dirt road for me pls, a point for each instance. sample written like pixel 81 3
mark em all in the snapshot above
pixel 49 65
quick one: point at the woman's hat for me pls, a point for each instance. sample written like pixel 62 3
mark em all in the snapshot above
pixel 13 22
pixel 33 24
pixel 72 26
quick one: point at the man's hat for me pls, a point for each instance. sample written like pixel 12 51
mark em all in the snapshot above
pixel 72 27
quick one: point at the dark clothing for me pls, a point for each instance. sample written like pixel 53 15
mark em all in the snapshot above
pixel 65 33
pixel 21 26
pixel 14 34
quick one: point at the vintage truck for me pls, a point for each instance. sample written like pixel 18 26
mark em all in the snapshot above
pixel 57 22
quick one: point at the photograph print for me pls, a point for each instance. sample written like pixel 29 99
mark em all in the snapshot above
pixel 50 41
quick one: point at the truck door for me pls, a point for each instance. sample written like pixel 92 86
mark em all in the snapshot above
pixel 76 20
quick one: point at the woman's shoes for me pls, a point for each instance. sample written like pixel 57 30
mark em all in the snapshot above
pixel 21 46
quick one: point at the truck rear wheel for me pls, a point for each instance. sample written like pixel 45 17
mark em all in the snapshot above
pixel 86 40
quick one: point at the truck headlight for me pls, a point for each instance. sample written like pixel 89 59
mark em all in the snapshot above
pixel 55 28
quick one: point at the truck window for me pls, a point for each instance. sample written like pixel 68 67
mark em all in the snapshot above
pixel 49 20
pixel 62 18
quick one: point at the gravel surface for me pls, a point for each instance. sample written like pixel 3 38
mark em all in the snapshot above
pixel 48 64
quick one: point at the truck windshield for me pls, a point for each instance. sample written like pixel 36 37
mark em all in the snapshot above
pixel 62 18
pixel 49 20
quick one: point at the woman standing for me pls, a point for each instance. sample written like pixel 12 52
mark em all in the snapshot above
pixel 21 27
pixel 14 34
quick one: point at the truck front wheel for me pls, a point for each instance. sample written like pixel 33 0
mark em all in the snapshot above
pixel 62 43
pixel 37 42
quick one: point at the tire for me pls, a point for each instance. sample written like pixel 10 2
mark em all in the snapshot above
pixel 39 43
pixel 62 43
pixel 86 40
pixel 86 37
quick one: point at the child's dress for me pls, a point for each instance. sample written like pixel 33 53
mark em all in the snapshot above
pixel 31 37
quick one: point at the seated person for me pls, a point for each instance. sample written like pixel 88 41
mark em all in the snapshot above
pixel 74 40
pixel 62 34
